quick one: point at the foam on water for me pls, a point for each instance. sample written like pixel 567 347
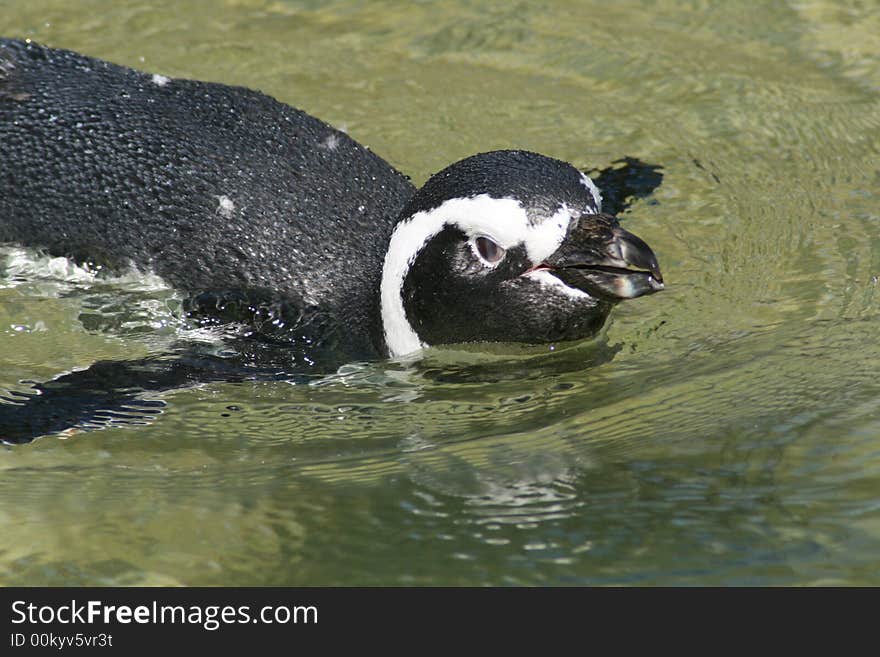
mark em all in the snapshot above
pixel 19 265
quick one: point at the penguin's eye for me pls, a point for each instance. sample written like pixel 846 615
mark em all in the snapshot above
pixel 489 250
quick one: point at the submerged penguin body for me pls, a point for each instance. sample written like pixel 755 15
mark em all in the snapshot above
pixel 261 213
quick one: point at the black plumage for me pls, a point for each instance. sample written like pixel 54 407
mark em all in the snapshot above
pixel 214 188
pixel 271 220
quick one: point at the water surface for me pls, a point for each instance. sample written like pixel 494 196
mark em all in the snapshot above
pixel 726 431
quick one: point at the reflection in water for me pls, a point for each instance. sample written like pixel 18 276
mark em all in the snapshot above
pixel 724 432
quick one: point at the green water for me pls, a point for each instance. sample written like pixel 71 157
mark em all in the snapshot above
pixel 733 438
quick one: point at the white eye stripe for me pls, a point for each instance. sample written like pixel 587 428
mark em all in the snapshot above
pixel 504 219
pixel 594 191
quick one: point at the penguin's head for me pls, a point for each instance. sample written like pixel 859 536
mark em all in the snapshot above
pixel 507 246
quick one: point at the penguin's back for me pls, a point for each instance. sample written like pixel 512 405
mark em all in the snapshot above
pixel 211 187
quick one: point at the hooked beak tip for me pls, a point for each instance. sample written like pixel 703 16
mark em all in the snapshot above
pixel 618 265
pixel 638 255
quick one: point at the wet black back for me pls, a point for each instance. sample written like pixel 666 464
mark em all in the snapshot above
pixel 212 187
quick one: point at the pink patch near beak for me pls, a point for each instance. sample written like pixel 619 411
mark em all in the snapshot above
pixel 541 267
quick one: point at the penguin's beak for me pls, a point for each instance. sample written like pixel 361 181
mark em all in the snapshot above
pixel 606 261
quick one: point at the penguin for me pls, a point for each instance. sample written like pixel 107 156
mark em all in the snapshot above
pixel 267 218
